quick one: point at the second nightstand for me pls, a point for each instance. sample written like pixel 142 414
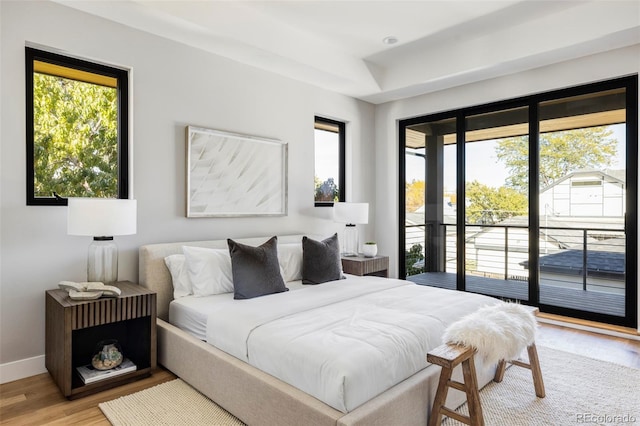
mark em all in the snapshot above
pixel 360 265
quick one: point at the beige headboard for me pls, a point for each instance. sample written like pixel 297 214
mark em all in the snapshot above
pixel 155 276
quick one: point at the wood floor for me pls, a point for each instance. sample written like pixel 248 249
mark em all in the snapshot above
pixel 37 401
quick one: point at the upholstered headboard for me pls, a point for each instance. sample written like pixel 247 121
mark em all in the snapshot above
pixel 155 275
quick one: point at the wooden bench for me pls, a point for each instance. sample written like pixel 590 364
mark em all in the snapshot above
pixel 448 356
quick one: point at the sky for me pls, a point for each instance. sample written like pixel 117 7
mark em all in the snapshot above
pixel 326 154
pixel 484 166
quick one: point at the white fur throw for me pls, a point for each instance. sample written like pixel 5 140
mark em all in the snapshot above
pixel 497 332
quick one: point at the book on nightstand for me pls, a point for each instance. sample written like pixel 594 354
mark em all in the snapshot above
pixel 89 374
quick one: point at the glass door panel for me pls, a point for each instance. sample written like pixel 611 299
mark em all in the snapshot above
pixel 497 203
pixel 430 203
pixel 582 155
pixel 415 228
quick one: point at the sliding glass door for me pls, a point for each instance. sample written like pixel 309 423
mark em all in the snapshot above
pixel 532 199
pixel 496 208
pixel 583 193
pixel 429 237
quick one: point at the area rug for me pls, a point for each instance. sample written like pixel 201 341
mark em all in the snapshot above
pixel 579 390
pixel 168 404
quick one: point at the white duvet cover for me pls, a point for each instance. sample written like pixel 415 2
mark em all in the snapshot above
pixel 344 342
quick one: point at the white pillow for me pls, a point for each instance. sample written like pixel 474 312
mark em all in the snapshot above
pixel 209 270
pixel 290 259
pixel 179 275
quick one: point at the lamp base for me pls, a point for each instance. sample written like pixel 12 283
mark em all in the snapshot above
pixel 350 241
pixel 102 262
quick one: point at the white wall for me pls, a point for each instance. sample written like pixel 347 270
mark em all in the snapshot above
pixel 611 64
pixel 172 86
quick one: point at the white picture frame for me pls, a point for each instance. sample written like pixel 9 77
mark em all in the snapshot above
pixel 235 175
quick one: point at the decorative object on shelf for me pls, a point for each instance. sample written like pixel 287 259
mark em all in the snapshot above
pixel 88 290
pixel 351 214
pixel 370 249
pixel 108 355
pixel 230 174
pixel 89 374
pixel 102 218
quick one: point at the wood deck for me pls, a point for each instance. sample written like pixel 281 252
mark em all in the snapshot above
pixel 591 301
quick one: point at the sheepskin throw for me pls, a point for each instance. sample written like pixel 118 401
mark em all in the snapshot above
pixel 497 332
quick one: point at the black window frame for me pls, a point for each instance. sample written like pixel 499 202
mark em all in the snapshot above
pixel 122 77
pixel 630 84
pixel 342 192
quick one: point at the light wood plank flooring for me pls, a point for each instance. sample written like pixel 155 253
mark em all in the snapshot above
pixel 37 401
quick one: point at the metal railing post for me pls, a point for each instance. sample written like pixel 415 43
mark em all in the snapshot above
pixel 444 249
pixel 584 259
pixel 506 252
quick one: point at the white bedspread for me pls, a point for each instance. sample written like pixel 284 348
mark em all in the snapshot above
pixel 344 342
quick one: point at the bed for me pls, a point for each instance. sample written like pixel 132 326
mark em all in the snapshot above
pixel 233 353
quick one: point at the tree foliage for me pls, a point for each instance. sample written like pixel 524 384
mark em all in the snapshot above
pixel 414 195
pixel 414 260
pixel 560 154
pixel 75 138
pixel 326 191
pixel 489 205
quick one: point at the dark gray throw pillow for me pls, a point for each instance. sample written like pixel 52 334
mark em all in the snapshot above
pixel 256 271
pixel 321 260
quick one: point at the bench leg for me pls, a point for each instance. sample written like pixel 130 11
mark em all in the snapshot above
pixel 533 365
pixel 471 389
pixel 441 397
pixel 536 372
pixel 502 366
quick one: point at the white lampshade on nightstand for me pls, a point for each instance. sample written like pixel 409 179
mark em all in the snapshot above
pixel 102 218
pixel 351 214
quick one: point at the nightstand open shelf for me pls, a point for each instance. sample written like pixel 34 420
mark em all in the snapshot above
pixel 74 328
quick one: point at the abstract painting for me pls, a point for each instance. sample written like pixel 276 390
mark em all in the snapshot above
pixel 231 174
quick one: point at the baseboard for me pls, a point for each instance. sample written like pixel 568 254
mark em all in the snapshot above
pixel 594 327
pixel 20 369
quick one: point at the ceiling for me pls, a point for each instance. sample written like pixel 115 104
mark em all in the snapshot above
pixel 338 45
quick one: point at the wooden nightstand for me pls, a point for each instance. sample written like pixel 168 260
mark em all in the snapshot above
pixel 74 327
pixel 360 265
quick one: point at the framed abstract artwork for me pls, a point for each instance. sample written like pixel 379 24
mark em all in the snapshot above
pixel 230 175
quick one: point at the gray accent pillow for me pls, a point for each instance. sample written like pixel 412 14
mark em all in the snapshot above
pixel 256 271
pixel 321 260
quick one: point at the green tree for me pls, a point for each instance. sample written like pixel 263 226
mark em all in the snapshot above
pixel 414 195
pixel 327 190
pixel 411 259
pixel 560 153
pixel 75 138
pixel 489 205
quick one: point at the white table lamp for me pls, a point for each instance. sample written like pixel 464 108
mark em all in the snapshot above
pixel 102 218
pixel 351 214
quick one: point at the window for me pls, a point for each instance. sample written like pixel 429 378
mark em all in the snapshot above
pixel 329 185
pixel 77 129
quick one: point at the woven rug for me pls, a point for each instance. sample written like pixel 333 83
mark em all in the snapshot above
pixel 579 390
pixel 168 404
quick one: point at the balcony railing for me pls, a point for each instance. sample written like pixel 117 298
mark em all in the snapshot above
pixel 576 257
